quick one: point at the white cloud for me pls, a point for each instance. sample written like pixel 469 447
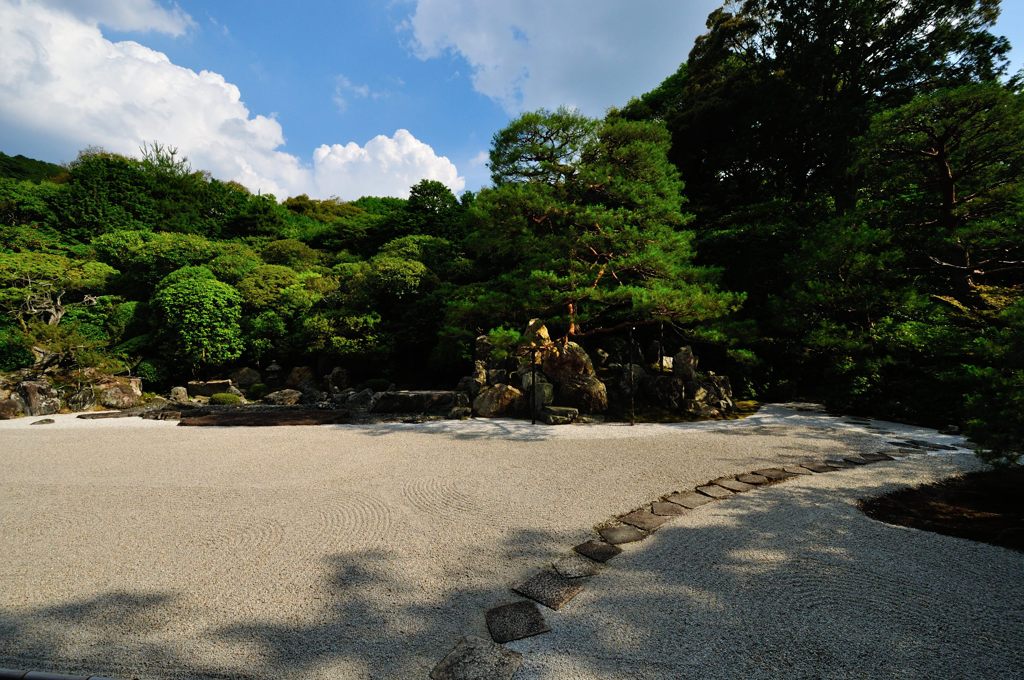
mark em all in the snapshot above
pixel 385 166
pixel 127 15
pixel 345 88
pixel 590 55
pixel 64 86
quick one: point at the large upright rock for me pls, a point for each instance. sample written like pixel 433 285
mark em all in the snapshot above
pixel 684 363
pixel 246 377
pixel 208 388
pixel 41 399
pixel 12 406
pixel 564 362
pixel 585 392
pixel 498 400
pixel 119 392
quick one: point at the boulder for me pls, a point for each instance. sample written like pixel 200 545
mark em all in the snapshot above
pixel 283 397
pixel 684 363
pixel 630 379
pixel 119 393
pixel 40 398
pixel 585 392
pixel 208 388
pixel 246 377
pixel 540 397
pixel 362 400
pixel 664 391
pixel 301 378
pixel 483 349
pixel 12 407
pixel 497 376
pixel 424 402
pixel 83 399
pixel 536 334
pixel 498 400
pixel 460 413
pixel 559 415
pixel 337 380
pixel 179 394
pixel 564 362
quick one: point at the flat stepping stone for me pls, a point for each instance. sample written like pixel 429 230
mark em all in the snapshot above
pixel 819 467
pixel 714 491
pixel 599 551
pixel 910 451
pixel 44 421
pixel 900 453
pixel 474 658
pixel 751 478
pixel 875 457
pixel 550 589
pixel 857 460
pixel 576 566
pixel 643 519
pixel 774 474
pixel 515 621
pixel 932 445
pixel 667 509
pixel 733 484
pixel 796 470
pixel 906 445
pixel 839 464
pixel 689 499
pixel 618 534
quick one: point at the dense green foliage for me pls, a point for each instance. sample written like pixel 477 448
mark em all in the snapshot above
pixel 827 197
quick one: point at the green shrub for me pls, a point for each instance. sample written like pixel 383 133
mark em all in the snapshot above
pixel 14 350
pixel 225 399
pixel 257 391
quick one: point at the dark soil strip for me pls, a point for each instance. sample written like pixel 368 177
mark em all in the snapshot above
pixel 265 418
pixel 981 506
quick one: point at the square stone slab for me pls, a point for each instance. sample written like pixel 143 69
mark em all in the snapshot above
pixel 667 509
pixel 550 589
pixel 751 478
pixel 796 470
pixel 576 566
pixel 714 491
pixel 774 474
pixel 515 621
pixel 733 484
pixel 599 551
pixel 643 519
pixel 819 467
pixel 621 533
pixel 839 464
pixel 475 658
pixel 689 499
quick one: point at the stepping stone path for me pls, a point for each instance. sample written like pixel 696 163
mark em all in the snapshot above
pixel 475 659
pixel 689 500
pixel 515 621
pixel 549 588
pixel 733 484
pixel 619 534
pixel 667 509
pixel 714 491
pixel 576 566
pixel 599 551
pixel 643 519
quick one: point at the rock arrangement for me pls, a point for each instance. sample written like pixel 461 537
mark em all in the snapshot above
pixel 45 392
pixel 540 372
pixel 554 586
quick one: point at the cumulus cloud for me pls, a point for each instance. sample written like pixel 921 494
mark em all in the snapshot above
pixel 385 166
pixel 537 53
pixel 64 86
pixel 127 15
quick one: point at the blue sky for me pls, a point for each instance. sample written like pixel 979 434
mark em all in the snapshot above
pixel 328 98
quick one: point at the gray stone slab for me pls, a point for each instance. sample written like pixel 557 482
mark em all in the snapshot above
pixel 839 463
pixel 857 460
pixel 617 534
pixel 576 566
pixel 474 658
pixel 774 474
pixel 905 445
pixel 932 446
pixel 796 470
pixel 44 421
pixel 667 509
pixel 875 457
pixel 643 519
pixel 714 491
pixel 550 588
pixel 819 467
pixel 11 674
pixel 515 621
pixel 599 551
pixel 910 451
pixel 897 453
pixel 751 478
pixel 689 499
pixel 733 484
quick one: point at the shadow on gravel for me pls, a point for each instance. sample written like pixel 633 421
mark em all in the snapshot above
pixel 775 587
